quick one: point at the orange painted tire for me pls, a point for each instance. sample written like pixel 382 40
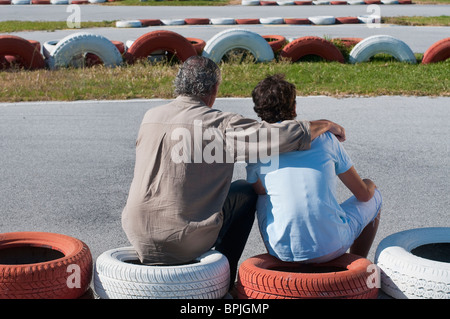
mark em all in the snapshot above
pixel 347 20
pixel 30 56
pixel 198 44
pixel 297 21
pixel 247 21
pixel 311 45
pixel 276 42
pixel 346 277
pixel 92 59
pixel 160 40
pixel 38 265
pixel 150 22
pixel 439 51
pixel 196 21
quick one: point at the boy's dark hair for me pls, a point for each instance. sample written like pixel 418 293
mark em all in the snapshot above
pixel 274 99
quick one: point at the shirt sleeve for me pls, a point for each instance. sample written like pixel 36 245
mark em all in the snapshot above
pixel 252 141
pixel 343 161
pixel 252 173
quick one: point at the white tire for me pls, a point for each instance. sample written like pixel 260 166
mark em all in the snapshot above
pixel 405 275
pixel 61 2
pixel 48 47
pixel 119 275
pixel 370 46
pixel 223 21
pixel 389 1
pixel 96 1
pixel 285 3
pixel 228 40
pixel 322 20
pixel 76 45
pixel 355 2
pixel 250 2
pixel 369 19
pixel 128 24
pixel 173 21
pixel 275 20
pixel 20 2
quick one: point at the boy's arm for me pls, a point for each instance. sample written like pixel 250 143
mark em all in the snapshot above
pixel 363 189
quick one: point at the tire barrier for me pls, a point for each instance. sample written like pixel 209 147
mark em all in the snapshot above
pixel 39 265
pixel 370 46
pixel 439 51
pixel 311 45
pixel 160 40
pixel 86 49
pixel 118 274
pixel 233 39
pixel 71 50
pixel 415 263
pixel 346 277
pixel 26 54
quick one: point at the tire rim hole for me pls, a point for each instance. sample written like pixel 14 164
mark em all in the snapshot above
pixel 436 251
pixel 24 255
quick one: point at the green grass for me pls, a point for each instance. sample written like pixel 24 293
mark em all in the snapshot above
pixel 418 21
pixel 16 26
pixel 382 76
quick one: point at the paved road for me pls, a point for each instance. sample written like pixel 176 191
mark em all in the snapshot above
pixel 100 13
pixel 67 167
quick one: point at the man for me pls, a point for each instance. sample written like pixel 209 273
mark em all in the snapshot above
pixel 181 201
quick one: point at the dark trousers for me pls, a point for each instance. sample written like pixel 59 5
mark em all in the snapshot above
pixel 238 217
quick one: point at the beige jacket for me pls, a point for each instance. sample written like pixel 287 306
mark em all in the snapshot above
pixel 185 154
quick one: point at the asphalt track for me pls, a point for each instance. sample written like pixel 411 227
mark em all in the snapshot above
pixel 67 167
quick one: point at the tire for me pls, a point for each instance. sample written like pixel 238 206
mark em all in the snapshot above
pixel 129 24
pixel 228 40
pixel 78 44
pixel 370 46
pixel 150 22
pixel 407 275
pixel 30 57
pixel 275 20
pixel 345 277
pixel 20 2
pixel 173 21
pixel 347 20
pixel 119 275
pixel 247 21
pixel 160 40
pixel 322 20
pixel 297 21
pixel 223 21
pixel 198 44
pixel 48 47
pixel 59 2
pixel 439 51
pixel 276 42
pixel 38 265
pixel 196 21
pixel 311 45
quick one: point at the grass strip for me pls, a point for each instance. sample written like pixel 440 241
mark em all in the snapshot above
pixel 379 77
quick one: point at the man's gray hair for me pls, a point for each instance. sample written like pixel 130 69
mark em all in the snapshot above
pixel 197 77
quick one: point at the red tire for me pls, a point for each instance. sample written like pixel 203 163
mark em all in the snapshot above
pixel 439 51
pixel 276 42
pixel 268 3
pixel 372 1
pixel 150 22
pixel 346 277
pixel 27 53
pixel 92 59
pixel 79 2
pixel 198 44
pixel 311 45
pixel 160 40
pixel 40 1
pixel 5 2
pixel 195 21
pixel 338 2
pixel 303 3
pixel 297 21
pixel 247 21
pixel 347 20
pixel 37 265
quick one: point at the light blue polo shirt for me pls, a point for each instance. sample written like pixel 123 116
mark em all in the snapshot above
pixel 300 218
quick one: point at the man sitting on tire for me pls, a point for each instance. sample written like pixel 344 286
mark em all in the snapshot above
pixel 299 216
pixel 181 201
